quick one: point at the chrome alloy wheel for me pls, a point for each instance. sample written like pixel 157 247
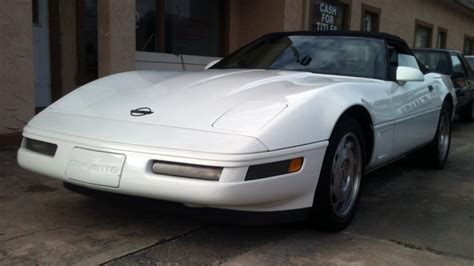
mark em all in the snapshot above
pixel 346 174
pixel 444 133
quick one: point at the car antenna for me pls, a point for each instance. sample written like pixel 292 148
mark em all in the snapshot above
pixel 182 60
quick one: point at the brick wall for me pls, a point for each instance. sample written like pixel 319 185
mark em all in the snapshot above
pixel 398 17
pixel 16 68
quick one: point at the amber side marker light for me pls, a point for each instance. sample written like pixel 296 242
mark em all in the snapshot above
pixel 274 169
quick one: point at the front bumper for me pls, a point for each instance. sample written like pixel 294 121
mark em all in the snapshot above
pixel 278 193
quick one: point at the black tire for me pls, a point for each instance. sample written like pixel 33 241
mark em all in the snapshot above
pixel 436 153
pixel 323 213
pixel 467 113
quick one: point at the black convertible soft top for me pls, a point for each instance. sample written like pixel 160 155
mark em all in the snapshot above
pixel 389 38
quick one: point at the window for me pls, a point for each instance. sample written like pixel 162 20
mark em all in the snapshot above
pixel 147 30
pixel 348 56
pixel 180 26
pixel 328 15
pixel 400 55
pixel 87 41
pixel 457 65
pixel 469 45
pixel 370 18
pixel 435 61
pixel 442 38
pixel 423 35
pixel 35 12
pixel 470 60
pixel 369 22
pixel 407 60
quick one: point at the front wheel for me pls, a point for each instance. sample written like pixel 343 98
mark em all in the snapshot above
pixel 338 190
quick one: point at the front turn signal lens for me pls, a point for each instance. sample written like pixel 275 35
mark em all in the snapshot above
pixel 295 165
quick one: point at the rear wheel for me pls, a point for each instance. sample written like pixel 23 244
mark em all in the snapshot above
pixel 438 150
pixel 338 191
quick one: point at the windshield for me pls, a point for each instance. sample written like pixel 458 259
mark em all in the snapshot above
pixel 435 61
pixel 349 56
pixel 471 61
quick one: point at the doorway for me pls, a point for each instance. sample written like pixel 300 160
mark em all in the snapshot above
pixel 41 54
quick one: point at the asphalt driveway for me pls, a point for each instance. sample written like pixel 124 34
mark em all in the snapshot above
pixel 408 216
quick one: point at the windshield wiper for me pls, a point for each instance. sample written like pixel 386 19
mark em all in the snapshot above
pixel 305 61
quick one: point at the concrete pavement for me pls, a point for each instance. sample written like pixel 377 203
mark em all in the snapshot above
pixel 309 247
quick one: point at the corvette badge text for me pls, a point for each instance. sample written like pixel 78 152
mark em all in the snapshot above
pixel 92 167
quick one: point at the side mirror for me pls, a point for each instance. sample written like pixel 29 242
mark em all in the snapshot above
pixel 405 74
pixel 212 63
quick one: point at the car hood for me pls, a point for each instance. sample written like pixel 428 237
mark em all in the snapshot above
pixel 236 101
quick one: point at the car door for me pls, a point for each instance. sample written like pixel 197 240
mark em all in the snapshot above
pixel 469 76
pixel 461 80
pixel 416 108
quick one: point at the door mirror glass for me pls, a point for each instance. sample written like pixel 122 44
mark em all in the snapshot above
pixel 212 63
pixel 405 74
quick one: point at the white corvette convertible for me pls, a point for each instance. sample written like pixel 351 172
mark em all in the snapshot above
pixel 290 122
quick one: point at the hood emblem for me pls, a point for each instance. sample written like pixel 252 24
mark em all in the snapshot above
pixel 141 111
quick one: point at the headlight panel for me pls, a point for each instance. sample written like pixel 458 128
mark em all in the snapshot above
pixel 187 170
pixel 41 147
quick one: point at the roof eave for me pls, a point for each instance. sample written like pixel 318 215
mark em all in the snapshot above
pixel 469 4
